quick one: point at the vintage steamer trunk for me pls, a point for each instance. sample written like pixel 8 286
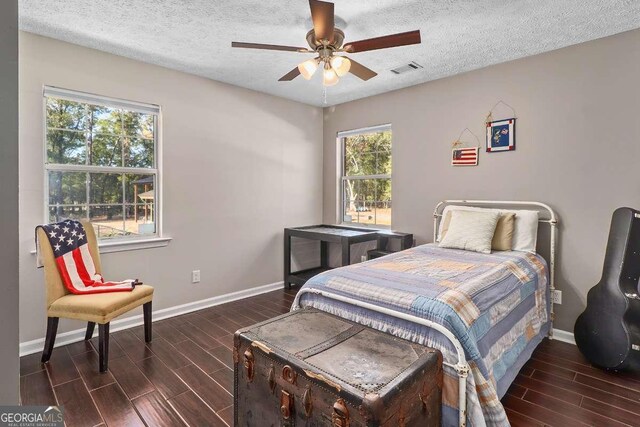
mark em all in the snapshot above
pixel 309 368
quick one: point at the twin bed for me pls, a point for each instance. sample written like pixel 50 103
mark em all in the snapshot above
pixel 485 312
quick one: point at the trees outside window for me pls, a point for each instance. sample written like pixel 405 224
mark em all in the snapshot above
pixel 366 177
pixel 101 163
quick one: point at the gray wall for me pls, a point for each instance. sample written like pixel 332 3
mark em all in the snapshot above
pixel 238 166
pixel 578 147
pixel 9 366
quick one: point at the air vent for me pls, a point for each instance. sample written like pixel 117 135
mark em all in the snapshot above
pixel 411 66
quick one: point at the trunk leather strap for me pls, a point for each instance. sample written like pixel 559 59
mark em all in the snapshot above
pixel 331 342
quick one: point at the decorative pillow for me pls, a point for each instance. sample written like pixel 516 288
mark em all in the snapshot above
pixel 525 227
pixel 446 217
pixel 503 236
pixel 525 231
pixel 471 231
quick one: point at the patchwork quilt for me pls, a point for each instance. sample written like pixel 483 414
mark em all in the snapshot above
pixel 496 305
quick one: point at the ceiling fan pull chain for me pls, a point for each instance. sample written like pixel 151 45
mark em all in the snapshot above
pixel 324 95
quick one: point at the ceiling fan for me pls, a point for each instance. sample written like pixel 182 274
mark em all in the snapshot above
pixel 327 41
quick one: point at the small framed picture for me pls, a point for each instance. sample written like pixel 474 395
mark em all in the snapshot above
pixel 501 135
pixel 464 156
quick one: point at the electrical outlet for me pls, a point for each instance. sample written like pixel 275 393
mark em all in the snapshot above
pixel 556 297
pixel 195 276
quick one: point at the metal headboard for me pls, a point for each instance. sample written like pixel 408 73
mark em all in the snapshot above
pixel 551 219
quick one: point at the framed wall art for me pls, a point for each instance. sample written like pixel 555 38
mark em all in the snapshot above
pixel 501 135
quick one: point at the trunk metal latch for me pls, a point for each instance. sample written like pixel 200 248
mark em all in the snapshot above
pixel 340 416
pixel 286 405
pixel 248 363
pixel 272 379
pixel 307 402
pixel 289 374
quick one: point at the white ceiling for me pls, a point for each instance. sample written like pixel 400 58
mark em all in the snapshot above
pixel 195 36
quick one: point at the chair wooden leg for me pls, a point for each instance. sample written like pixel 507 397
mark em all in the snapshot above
pixel 146 308
pixel 90 328
pixel 52 329
pixel 103 346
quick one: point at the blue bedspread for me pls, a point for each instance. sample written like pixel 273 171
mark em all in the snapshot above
pixel 495 304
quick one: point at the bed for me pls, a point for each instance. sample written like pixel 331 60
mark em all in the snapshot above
pixel 485 312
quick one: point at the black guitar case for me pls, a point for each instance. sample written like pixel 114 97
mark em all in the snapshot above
pixel 608 331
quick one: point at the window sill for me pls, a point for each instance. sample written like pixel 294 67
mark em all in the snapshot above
pixel 131 245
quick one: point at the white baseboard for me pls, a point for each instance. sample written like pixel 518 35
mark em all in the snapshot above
pixel 65 338
pixel 564 336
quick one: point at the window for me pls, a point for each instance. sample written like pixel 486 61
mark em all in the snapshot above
pixel 101 163
pixel 366 176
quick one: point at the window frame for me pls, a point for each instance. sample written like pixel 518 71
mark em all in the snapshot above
pixel 112 244
pixel 341 138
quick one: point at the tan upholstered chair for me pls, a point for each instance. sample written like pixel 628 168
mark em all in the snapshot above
pixel 92 308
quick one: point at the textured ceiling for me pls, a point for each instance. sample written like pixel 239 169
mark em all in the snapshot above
pixel 195 36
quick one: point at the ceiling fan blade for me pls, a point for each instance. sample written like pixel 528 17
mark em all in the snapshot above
pixel 270 47
pixel 290 75
pixel 322 15
pixel 393 40
pixel 361 71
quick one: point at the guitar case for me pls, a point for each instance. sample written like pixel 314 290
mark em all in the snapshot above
pixel 608 331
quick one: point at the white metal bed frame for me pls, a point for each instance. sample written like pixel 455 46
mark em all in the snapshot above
pixel 461 367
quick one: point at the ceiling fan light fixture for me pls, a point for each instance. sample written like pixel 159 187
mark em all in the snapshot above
pixel 308 68
pixel 341 65
pixel 329 76
pixel 325 41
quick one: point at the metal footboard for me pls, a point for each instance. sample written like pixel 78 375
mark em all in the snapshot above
pixel 462 367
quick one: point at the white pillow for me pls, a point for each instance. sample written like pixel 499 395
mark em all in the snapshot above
pixel 471 231
pixel 525 229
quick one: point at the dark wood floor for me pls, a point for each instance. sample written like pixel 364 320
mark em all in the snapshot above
pixel 185 377
pixel 558 387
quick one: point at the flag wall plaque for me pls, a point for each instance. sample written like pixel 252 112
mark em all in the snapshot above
pixel 464 156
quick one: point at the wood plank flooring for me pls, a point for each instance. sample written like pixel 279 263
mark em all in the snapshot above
pixel 558 387
pixel 185 377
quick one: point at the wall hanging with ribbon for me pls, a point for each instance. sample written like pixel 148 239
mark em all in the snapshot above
pixel 501 134
pixel 464 156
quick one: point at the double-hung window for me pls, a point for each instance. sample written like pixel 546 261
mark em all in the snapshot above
pixel 101 163
pixel 366 176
